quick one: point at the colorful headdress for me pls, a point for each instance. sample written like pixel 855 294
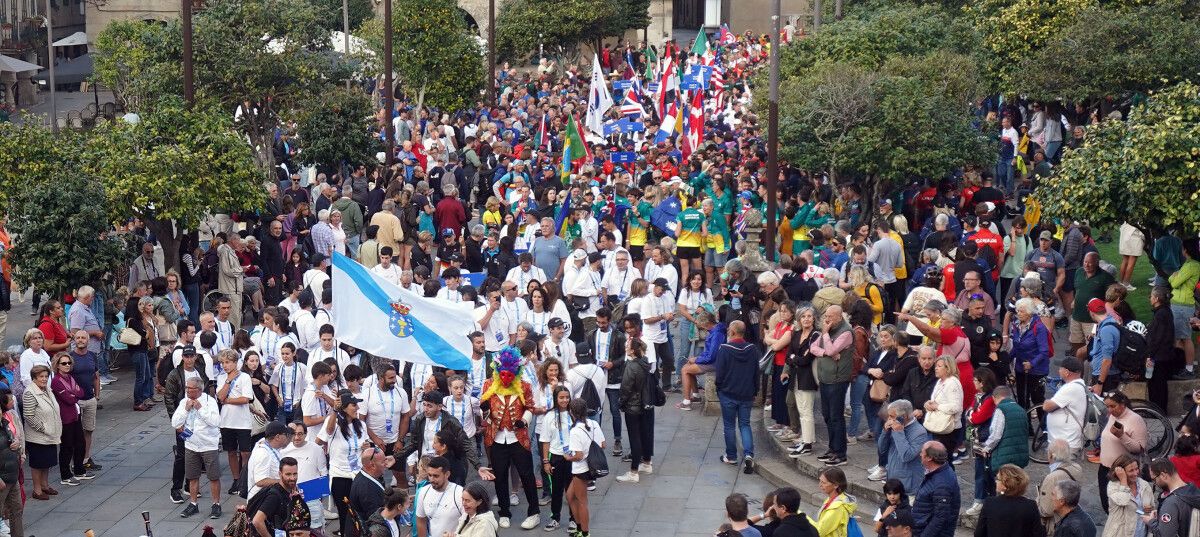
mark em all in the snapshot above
pixel 506 369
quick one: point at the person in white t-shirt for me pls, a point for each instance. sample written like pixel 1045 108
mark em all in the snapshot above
pixel 451 291
pixel 439 505
pixel 292 303
pixel 620 278
pixel 558 345
pixel 478 372
pixel 288 381
pixel 584 433
pixel 328 348
pixel 385 408
pixel 462 406
pixel 524 273
pixel 493 322
pixel 313 469
pixel 318 400
pixel 1067 410
pixel 235 391
pixel 386 269
pixel 263 468
pixel 554 429
pixel 344 436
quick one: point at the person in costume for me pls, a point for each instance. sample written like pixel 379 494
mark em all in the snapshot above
pixel 507 403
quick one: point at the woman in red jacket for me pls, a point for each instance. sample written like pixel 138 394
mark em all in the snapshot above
pixel 981 421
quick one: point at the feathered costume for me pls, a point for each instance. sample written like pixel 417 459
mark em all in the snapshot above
pixel 507 396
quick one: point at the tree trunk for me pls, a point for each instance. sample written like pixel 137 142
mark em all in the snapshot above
pixel 837 10
pixel 169 238
pixel 816 15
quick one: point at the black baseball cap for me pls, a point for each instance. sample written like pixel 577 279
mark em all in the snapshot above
pixel 555 323
pixel 188 350
pixel 899 519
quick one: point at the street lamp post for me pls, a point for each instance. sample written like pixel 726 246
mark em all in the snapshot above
pixel 346 34
pixel 773 135
pixel 491 39
pixel 189 83
pixel 388 100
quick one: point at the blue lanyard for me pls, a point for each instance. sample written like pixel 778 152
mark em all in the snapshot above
pixel 320 401
pixel 462 418
pixel 602 350
pixel 558 425
pixel 391 400
pixel 283 384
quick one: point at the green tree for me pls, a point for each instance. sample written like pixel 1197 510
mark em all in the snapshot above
pixel 439 60
pixel 335 130
pixel 521 25
pixel 1012 30
pixel 173 168
pixel 627 15
pixel 1112 51
pixel 1143 171
pixel 331 17
pixel 140 61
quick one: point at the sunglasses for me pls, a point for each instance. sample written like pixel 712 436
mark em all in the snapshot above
pixel 64 363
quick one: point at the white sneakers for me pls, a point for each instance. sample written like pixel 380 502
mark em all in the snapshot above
pixel 629 477
pixel 646 468
pixel 975 508
pixel 877 473
pixel 505 522
pixel 531 521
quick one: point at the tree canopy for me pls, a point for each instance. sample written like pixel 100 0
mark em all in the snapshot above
pixel 335 130
pixel 521 25
pixel 140 62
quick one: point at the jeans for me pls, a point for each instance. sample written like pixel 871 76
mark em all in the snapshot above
pixel 883 444
pixel 682 345
pixel 143 385
pixel 1004 174
pixel 985 485
pixel 352 244
pixel 858 391
pixel 833 404
pixel 1052 151
pixel 732 410
pixel 191 292
pixel 614 408
pixel 874 423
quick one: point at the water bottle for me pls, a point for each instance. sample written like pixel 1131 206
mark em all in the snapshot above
pixel 1149 368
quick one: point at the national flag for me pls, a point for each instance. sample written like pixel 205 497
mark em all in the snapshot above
pixel 668 83
pixel 727 37
pixel 695 125
pixel 542 139
pixel 701 48
pixel 631 106
pixel 381 318
pixel 574 148
pixel 560 218
pixel 669 126
pixel 599 100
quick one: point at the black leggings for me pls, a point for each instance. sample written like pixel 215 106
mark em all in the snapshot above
pixel 70 450
pixel 339 487
pixel 641 437
pixel 560 477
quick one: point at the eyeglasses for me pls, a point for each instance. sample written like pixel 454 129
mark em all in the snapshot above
pixel 64 363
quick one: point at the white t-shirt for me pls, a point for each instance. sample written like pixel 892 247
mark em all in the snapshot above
pixel 1066 422
pixel 291 381
pixel 345 452
pixel 555 429
pixel 319 355
pixel 310 461
pixel 30 359
pixel 522 278
pixel 563 351
pixel 311 405
pixel 450 295
pixel 464 411
pixel 440 508
pixel 512 313
pixel 263 464
pixel 539 321
pixel 383 410
pixel 618 282
pixel 236 416
pixel 544 394
pixel 391 273
pixel 649 306
pixel 584 373
pixel 581 441
pixel 476 375
pixel 495 333
pixel 203 360
pixel 691 300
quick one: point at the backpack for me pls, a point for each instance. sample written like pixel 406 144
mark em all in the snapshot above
pixel 590 396
pixel 883 295
pixel 1130 355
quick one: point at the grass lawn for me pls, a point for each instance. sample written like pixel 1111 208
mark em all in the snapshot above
pixel 1142 271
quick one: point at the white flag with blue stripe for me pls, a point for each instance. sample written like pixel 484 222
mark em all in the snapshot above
pixel 383 319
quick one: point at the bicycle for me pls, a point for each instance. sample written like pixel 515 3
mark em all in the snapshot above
pixel 249 316
pixel 1159 429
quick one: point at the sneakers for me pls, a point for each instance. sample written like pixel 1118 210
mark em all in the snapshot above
pixel 879 474
pixel 91 465
pixel 725 459
pixel 975 508
pixel 836 461
pixel 105 381
pixel 626 458
pixel 591 485
pixel 1184 375
pixel 551 525
pixel 851 440
pixel 774 428
pixel 545 500
pixel 684 405
pixel 233 488
pixel 828 455
pixel 627 477
pixel 748 467
pixel 531 522
pixel 788 436
pixel 87 474
pixel 646 468
pixel 617 451
pixel 215 512
pixel 799 451
pixel 505 522
pixel 513 499
pixel 190 510
pixel 176 496
pixel 69 481
pixel 867 436
pixel 331 515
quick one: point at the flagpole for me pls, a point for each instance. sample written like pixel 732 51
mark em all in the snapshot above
pixel 773 136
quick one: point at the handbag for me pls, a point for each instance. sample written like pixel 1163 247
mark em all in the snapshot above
pixel 258 416
pixel 129 336
pixel 879 391
pixel 580 303
pixel 939 422
pixel 165 332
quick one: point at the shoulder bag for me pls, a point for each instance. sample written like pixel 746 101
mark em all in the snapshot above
pixel 597 461
pixel 129 336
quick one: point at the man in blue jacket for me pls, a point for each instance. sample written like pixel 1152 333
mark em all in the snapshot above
pixel 705 363
pixel 935 510
pixel 903 437
pixel 737 369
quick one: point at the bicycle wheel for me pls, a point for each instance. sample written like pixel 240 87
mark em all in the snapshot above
pixel 1159 430
pixel 1038 439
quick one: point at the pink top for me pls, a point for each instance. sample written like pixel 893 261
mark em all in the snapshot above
pixel 68 392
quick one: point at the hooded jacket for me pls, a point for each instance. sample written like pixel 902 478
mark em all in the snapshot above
pixel 737 370
pixel 834 519
pixel 1175 513
pixel 796 525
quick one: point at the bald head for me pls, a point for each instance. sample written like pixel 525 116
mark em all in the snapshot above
pixel 933 455
pixel 737 329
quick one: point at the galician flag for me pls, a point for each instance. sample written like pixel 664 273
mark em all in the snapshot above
pixel 599 100
pixel 383 319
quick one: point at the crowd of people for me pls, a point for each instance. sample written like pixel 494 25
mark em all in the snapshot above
pixel 921 321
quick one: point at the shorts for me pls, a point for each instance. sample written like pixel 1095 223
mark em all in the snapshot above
pixel 715 260
pixel 687 252
pixel 87 414
pixel 1077 332
pixel 1182 314
pixel 637 253
pixel 1068 282
pixel 236 440
pixel 201 462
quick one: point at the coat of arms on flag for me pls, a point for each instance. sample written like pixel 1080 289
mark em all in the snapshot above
pixel 399 324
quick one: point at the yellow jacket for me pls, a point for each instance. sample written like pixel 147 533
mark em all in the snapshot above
pixel 834 519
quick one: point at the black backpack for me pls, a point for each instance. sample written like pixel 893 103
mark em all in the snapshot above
pixel 591 396
pixel 1130 355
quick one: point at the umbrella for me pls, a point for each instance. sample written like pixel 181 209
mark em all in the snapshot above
pixel 77 38
pixel 71 71
pixel 17 66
